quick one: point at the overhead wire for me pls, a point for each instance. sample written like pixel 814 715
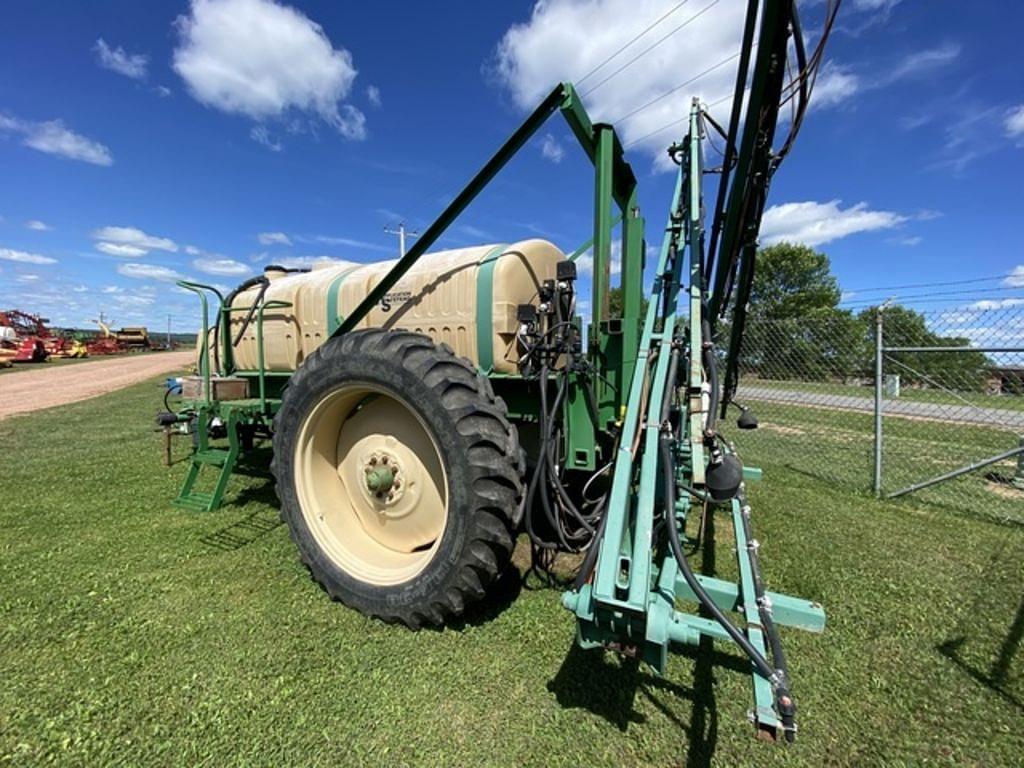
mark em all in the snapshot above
pixel 672 90
pixel 665 127
pixel 632 40
pixel 931 285
pixel 934 294
pixel 651 47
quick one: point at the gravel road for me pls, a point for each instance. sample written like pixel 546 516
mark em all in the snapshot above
pixel 46 387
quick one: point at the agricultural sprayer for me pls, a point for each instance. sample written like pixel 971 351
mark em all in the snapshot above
pixel 425 411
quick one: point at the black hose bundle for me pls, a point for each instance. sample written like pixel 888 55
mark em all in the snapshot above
pixel 555 521
pixel 777 674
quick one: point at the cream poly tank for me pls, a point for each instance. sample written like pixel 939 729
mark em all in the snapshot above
pixel 466 298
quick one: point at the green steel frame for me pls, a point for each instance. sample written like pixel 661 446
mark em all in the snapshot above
pixel 631 602
pixel 234 415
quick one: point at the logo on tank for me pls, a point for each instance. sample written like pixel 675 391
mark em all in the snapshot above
pixel 398 297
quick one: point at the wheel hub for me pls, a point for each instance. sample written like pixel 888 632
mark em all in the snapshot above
pixel 383 473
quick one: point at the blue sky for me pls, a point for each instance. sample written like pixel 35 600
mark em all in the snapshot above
pixel 144 141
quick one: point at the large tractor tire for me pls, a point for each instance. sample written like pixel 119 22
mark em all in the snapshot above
pixel 399 475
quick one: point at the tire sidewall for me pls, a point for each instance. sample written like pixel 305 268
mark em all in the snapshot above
pixel 364 367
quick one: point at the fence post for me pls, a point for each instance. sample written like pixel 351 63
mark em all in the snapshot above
pixel 1018 478
pixel 877 477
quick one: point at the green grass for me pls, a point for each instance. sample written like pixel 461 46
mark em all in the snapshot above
pixel 133 632
pixel 52 361
pixel 837 446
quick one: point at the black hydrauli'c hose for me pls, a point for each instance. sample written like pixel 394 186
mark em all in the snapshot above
pixel 776 677
pixel 711 367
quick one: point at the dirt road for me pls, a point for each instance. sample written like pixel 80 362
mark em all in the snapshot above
pixel 46 387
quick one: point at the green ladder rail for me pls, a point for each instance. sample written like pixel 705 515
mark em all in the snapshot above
pixel 203 456
pixel 232 413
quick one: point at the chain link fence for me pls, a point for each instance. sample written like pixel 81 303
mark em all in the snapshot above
pixel 923 405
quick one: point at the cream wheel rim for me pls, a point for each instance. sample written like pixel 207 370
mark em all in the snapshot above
pixel 371 484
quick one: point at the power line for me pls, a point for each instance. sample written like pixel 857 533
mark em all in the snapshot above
pixel 693 79
pixel 934 295
pixel 656 131
pixel 643 32
pixel 909 300
pixel 929 285
pixel 650 48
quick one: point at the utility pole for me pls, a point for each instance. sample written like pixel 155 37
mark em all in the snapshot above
pixel 402 234
pixel 168 331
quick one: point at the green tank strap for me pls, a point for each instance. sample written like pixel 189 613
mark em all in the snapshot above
pixel 333 317
pixel 485 309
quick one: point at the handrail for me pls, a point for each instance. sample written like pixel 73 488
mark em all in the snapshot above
pixel 260 366
pixel 204 354
pixel 274 304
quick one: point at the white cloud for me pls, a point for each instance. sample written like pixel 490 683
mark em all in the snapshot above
pixel 28 278
pixel 8 254
pixel 373 95
pixel 121 250
pixel 273 238
pixel 475 232
pixel 997 304
pixel 37 226
pixel 191 250
pixel 118 60
pixel 1016 278
pixel 346 241
pixel 874 5
pixel 835 85
pixel 306 262
pixel 551 149
pixel 134 238
pixel 261 135
pixel 920 62
pixel 567 39
pixel 148 272
pixel 585 261
pixel 961 145
pixel 221 266
pixel 813 223
pixel 1013 123
pixel 912 240
pixel 162 91
pixel 55 138
pixel 262 59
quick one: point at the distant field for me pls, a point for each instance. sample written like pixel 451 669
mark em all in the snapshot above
pixel 134 632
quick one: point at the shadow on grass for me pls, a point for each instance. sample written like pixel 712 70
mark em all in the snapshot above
pixel 253 526
pixel 500 595
pixel 589 680
pixel 998 674
pixel 592 681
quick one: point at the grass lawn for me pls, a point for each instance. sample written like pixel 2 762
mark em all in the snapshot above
pixel 837 446
pixel 52 361
pixel 133 632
